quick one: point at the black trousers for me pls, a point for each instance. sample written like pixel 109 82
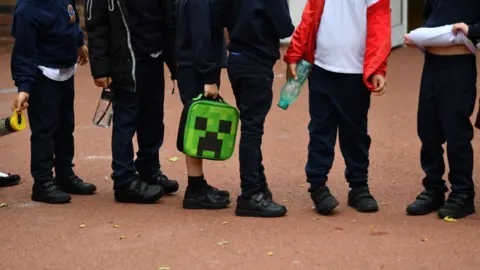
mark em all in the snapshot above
pixel 338 102
pixel 52 123
pixel 139 112
pixel 446 102
pixel 252 87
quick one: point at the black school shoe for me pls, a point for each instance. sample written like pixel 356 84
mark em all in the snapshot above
pixel 74 185
pixel 49 192
pixel 205 197
pixel 138 192
pixel 458 205
pixel 259 205
pixel 10 180
pixel 430 200
pixel 169 186
pixel 324 201
pixel 362 200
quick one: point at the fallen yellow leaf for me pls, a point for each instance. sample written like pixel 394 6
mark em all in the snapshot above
pixel 3 205
pixel 372 226
pixel 122 237
pixel 116 226
pixel 173 159
pixel 449 219
pixel 163 268
pixel 83 226
pixel 223 243
pixel 225 223
pixel 270 253
pixel 137 235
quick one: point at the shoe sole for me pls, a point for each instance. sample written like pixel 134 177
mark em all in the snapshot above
pixel 149 201
pixel 247 213
pixel 50 202
pixel 196 205
pixel 467 213
pixel 413 213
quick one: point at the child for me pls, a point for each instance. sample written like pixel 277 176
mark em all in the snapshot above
pixel 129 42
pixel 9 180
pixel 349 64
pixel 200 55
pixel 255 29
pixel 48 45
pixel 447 100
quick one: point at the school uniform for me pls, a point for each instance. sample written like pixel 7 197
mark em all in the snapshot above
pixel 201 55
pixel 128 42
pixel 446 102
pixel 47 38
pixel 255 29
pixel 349 45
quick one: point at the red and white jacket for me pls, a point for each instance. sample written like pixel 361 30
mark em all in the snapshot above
pixel 378 43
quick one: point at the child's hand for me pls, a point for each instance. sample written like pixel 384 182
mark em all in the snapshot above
pixel 460 27
pixel 211 90
pixel 292 71
pixel 103 82
pixel 21 102
pixel 83 55
pixel 380 83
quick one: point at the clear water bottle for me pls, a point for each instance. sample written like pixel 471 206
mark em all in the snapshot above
pixel 291 89
pixel 12 124
pixel 104 113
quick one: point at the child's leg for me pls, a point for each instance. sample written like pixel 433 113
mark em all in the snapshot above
pixel 252 86
pixel 432 137
pixel 43 114
pixel 456 101
pixel 127 184
pixel 352 101
pixel 323 135
pixel 150 133
pixel 64 144
pixel 199 194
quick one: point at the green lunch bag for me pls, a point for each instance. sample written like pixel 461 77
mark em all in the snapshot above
pixel 208 129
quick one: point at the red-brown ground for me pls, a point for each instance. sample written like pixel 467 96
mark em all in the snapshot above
pixel 40 236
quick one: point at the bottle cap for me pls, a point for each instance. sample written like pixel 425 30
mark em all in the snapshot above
pixel 283 104
pixel 18 121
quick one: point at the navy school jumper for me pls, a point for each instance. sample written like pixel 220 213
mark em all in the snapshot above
pixel 47 34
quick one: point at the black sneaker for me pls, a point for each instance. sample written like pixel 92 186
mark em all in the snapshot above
pixel 138 192
pixel 259 206
pixel 206 197
pixel 222 193
pixel 324 201
pixel 428 201
pixel 74 185
pixel 362 200
pixel 169 186
pixel 10 180
pixel 49 192
pixel 458 205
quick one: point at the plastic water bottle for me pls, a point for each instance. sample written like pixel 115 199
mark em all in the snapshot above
pixel 16 122
pixel 104 112
pixel 291 89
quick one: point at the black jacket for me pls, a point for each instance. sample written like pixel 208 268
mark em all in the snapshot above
pixel 109 41
pixel 201 38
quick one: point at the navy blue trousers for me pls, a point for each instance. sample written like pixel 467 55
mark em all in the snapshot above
pixel 52 123
pixel 139 112
pixel 447 100
pixel 252 87
pixel 338 103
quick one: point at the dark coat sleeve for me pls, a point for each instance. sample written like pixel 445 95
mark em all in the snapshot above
pixel 98 29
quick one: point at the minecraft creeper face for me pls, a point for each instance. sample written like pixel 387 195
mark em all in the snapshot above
pixel 211 130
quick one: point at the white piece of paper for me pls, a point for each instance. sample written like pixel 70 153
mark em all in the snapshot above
pixel 439 37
